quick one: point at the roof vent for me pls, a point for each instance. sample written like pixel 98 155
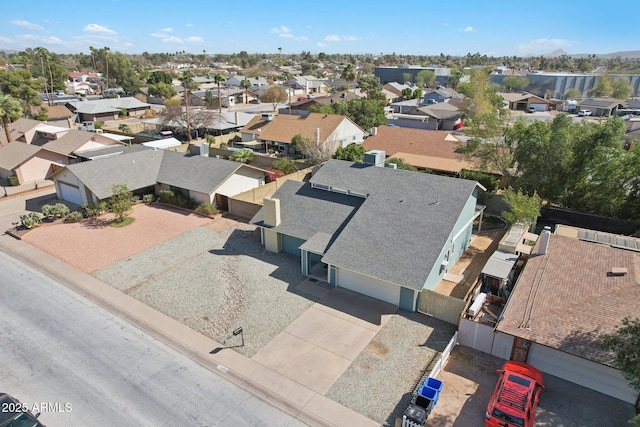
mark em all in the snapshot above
pixel 618 271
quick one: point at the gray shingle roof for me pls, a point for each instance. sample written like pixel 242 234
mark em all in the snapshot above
pixel 69 142
pixel 197 173
pixel 395 234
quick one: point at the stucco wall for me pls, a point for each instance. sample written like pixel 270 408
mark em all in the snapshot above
pixel 242 180
pixel 38 166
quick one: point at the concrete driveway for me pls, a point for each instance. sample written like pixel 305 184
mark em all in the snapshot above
pixel 318 347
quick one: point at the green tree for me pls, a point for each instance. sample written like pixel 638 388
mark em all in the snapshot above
pixel 286 77
pixel 373 88
pixel 156 77
pixel 245 84
pixel 9 111
pixel 209 100
pixel 22 86
pixel 407 92
pixel 622 88
pixel 187 84
pixel 514 83
pixel 455 77
pixel 425 78
pixel 162 90
pixel 624 344
pixel 572 93
pixel 482 106
pixel 124 128
pixel 275 95
pixel 312 150
pixel 243 156
pixel 604 87
pixel 352 153
pixel 218 79
pixel 522 208
pixel 120 201
pixel 417 94
pixel 365 113
pixel 400 164
pixel 348 74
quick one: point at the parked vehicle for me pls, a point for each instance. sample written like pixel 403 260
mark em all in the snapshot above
pixel 584 113
pixel 254 101
pixel 532 109
pixel 515 398
pixel 13 413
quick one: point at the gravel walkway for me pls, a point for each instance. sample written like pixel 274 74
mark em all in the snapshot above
pixel 379 383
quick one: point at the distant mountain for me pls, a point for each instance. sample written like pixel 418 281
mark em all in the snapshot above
pixel 623 54
pixel 8 51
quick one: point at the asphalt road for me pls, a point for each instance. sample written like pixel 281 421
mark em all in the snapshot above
pixel 81 365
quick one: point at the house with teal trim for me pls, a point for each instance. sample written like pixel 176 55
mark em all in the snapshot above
pixel 376 230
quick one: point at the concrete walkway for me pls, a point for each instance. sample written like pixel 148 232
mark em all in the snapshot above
pixel 317 347
pixel 288 394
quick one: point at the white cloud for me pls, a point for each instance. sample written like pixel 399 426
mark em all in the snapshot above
pixel 320 44
pixel 286 35
pixel 338 38
pixel 5 40
pixel 194 39
pixel 302 38
pixel 544 46
pixel 41 39
pixel 95 28
pixel 167 30
pixel 172 39
pixel 281 30
pixel 189 24
pixel 468 30
pixel 27 24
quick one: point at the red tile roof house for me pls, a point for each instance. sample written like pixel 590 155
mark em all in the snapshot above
pixel 423 149
pixel 576 287
pixel 329 131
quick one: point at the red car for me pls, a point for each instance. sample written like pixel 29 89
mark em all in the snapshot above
pixel 515 398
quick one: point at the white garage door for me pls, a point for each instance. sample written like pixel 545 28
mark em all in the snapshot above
pixel 70 193
pixel 368 286
pixel 588 374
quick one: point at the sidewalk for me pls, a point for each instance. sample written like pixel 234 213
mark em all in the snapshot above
pixel 305 404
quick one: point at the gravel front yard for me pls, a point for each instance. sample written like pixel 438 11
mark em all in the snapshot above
pixel 379 383
pixel 215 281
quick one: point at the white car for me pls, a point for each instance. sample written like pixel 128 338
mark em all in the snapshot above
pixel 584 113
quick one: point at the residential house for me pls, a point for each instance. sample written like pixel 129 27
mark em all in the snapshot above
pixel 303 106
pixel 145 170
pixel 209 122
pixel 423 149
pixel 57 115
pixel 328 131
pixel 78 145
pixel 440 95
pixel 27 162
pixel 522 101
pixel 407 106
pixel 396 89
pixel 445 115
pixel 576 286
pixel 24 129
pixel 235 81
pixel 382 232
pixel 601 107
pixel 108 108
pixel 310 84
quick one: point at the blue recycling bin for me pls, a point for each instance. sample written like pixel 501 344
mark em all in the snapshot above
pixel 428 393
pixel 433 383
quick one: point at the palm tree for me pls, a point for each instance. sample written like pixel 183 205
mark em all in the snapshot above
pixel 217 79
pixel 287 76
pixel 106 62
pixel 245 84
pixel 41 53
pixel 187 80
pixel 349 74
pixel 9 110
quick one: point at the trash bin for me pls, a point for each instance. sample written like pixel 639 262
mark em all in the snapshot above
pixel 414 415
pixel 428 392
pixel 433 383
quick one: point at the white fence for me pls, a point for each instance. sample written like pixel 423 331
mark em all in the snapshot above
pixel 444 356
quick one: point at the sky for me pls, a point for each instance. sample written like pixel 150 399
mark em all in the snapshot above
pixel 425 27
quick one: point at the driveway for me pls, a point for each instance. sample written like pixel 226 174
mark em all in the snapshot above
pixel 318 347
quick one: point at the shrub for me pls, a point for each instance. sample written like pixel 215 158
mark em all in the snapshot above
pixel 148 198
pixel 74 216
pixel 120 201
pixel 207 209
pixel 103 206
pixel 170 198
pixel 273 175
pixel 488 181
pixel 47 211
pixel 59 210
pixel 166 196
pixel 30 220
pixel 211 140
pixel 12 180
pixel 135 199
pixel 285 165
pixel 224 145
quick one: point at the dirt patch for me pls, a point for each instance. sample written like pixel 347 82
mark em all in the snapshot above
pixel 91 245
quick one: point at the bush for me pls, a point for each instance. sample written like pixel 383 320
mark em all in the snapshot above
pixel 273 175
pixel 207 209
pixel 135 199
pixel 170 198
pixel 285 165
pixel 166 196
pixel 30 220
pixel 74 216
pixel 488 181
pixel 211 140
pixel 12 180
pixel 148 198
pixel 59 210
pixel 224 145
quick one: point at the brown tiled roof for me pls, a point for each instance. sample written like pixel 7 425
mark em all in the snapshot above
pixel 431 143
pixel 58 112
pixel 24 125
pixel 71 141
pixel 284 127
pixel 568 297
